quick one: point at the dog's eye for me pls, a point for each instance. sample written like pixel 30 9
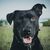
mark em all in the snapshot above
pixel 33 19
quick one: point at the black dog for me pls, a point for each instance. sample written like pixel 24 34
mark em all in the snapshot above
pixel 26 28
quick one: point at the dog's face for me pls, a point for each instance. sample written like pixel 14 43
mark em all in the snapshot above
pixel 26 26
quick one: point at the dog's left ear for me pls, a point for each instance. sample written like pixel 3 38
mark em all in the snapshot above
pixel 39 6
pixel 43 5
pixel 10 17
pixel 38 9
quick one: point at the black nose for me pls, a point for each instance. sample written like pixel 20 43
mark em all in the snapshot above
pixel 27 31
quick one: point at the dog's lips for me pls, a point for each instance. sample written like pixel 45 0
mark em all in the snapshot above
pixel 27 40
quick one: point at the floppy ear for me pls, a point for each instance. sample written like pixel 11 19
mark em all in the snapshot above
pixel 38 9
pixel 10 17
pixel 43 6
pixel 38 6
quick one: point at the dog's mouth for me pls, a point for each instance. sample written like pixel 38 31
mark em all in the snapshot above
pixel 27 39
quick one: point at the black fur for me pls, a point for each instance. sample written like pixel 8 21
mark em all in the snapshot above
pixel 24 20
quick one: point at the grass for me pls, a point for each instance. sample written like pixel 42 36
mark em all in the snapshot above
pixel 44 36
pixel 6 36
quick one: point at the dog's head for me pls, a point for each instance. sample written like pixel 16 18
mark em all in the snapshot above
pixel 38 9
pixel 26 25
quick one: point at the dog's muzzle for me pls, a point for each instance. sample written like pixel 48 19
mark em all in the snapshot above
pixel 27 39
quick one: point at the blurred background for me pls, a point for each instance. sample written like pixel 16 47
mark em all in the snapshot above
pixel 6 31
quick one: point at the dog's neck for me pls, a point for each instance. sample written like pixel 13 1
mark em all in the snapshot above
pixel 29 47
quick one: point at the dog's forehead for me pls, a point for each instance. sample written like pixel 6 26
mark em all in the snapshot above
pixel 27 16
pixel 30 15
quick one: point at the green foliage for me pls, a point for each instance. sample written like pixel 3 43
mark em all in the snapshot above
pixel 2 22
pixel 46 23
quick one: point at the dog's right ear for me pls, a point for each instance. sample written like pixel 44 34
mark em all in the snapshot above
pixel 10 17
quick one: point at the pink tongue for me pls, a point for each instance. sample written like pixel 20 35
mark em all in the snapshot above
pixel 27 40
